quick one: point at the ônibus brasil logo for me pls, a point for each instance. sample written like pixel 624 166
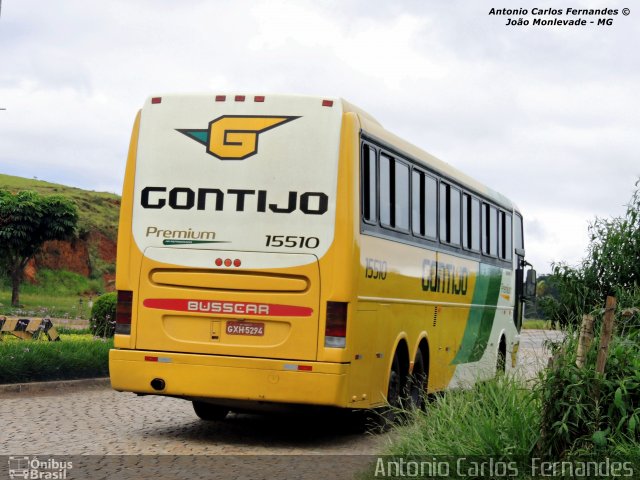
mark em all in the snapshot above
pixel 234 137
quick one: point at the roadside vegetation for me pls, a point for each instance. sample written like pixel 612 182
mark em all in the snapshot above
pixel 77 355
pixel 569 412
pixel 55 293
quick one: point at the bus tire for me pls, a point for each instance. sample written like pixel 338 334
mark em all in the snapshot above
pixel 208 412
pixel 396 390
pixel 417 384
pixel 501 362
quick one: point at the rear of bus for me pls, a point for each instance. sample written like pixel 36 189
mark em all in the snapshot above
pixel 228 208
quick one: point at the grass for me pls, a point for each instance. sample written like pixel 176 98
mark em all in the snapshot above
pixel 57 293
pixel 493 418
pixel 536 324
pixel 75 356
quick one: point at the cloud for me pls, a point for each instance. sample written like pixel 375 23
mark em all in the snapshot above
pixel 547 116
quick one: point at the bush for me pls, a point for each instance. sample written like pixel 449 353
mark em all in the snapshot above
pixel 103 315
pixel 610 268
pixel 585 413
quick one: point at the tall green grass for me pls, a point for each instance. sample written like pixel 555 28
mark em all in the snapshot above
pixel 497 418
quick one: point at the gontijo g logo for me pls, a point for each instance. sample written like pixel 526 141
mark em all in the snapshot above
pixel 234 137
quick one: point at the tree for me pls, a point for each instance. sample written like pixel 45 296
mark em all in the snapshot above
pixel 27 220
pixel 611 267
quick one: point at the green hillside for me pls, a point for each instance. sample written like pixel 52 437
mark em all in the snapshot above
pixel 97 210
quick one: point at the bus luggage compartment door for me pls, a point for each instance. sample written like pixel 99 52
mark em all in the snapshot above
pixel 228 303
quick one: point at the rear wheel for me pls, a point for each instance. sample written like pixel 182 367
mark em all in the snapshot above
pixel 417 384
pixel 395 391
pixel 208 412
pixel 501 363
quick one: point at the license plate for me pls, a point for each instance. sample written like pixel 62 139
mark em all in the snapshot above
pixel 253 329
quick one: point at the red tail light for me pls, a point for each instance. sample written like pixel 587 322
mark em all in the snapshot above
pixel 123 312
pixel 335 332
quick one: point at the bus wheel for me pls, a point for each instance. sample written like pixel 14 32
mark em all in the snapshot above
pixel 501 363
pixel 391 414
pixel 208 412
pixel 417 384
pixel 396 385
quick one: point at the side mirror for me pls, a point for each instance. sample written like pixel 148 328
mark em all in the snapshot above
pixel 530 284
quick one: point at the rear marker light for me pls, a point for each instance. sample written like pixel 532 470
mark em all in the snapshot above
pixel 327 103
pixel 298 368
pixel 220 98
pixel 156 100
pixel 149 358
pixel 258 98
pixel 124 305
pixel 239 98
pixel 335 332
pixel 227 262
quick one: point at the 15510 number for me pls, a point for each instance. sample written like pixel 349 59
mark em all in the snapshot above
pixel 292 241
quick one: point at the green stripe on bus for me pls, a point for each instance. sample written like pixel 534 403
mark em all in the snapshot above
pixel 191 242
pixel 480 321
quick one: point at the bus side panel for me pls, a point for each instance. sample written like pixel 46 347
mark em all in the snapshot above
pixel 129 258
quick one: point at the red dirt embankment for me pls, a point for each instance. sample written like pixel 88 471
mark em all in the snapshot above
pixel 79 255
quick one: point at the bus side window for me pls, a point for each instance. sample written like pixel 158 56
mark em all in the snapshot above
pixel 431 206
pixel 401 197
pixel 506 237
pixel 450 214
pixel 394 193
pixel 387 213
pixel 518 241
pixel 369 182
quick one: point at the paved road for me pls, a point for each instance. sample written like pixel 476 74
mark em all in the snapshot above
pixel 99 421
pixel 534 354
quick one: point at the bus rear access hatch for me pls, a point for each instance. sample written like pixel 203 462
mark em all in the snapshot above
pixel 243 307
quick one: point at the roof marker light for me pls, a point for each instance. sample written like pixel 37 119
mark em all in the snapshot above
pixel 327 103
pixel 218 262
pixel 227 262
pixel 237 262
pixel 156 100
pixel 221 98
pixel 258 98
pixel 239 98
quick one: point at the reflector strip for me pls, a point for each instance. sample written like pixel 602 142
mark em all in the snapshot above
pixel 298 368
pixel 150 358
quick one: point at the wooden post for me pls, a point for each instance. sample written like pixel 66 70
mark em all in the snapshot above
pixel 605 334
pixel 584 343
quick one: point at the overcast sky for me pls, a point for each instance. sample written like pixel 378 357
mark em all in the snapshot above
pixel 548 116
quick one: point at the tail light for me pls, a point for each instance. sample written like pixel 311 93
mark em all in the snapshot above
pixel 335 332
pixel 123 312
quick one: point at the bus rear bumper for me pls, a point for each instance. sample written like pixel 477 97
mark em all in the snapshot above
pixel 229 378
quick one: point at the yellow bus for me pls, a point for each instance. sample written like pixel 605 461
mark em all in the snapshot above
pixel 288 250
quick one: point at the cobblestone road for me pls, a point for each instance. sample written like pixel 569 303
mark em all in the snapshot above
pixel 99 421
